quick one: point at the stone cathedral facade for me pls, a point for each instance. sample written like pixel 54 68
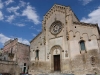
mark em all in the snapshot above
pixel 65 45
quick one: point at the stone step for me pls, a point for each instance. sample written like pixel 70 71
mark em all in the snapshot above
pixel 55 74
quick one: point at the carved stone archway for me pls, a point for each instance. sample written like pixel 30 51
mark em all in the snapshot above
pixel 56 50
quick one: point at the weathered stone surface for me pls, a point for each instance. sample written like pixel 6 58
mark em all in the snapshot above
pixel 19 53
pixel 9 67
pixel 66 44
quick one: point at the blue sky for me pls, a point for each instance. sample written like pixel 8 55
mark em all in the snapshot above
pixel 22 18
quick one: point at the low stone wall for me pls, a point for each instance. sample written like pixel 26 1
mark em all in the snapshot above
pixel 9 67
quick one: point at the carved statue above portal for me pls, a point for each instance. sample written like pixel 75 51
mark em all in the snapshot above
pixel 56 51
pixel 47 55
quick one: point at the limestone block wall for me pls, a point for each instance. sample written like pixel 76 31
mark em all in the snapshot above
pixel 55 41
pixel 81 61
pixel 12 46
pixel 87 33
pixel 39 67
pixel 66 66
pixel 60 39
pixel 23 53
pixel 9 45
pixel 85 30
pixel 37 44
pixel 9 67
pixel 73 60
pixel 85 64
pixel 59 17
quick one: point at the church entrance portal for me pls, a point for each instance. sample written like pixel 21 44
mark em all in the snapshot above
pixel 56 62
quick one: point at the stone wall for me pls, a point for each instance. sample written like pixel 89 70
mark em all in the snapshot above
pixel 38 67
pixel 10 47
pixel 20 52
pixel 9 67
pixel 23 54
pixel 72 58
pixel 86 63
pixel 37 44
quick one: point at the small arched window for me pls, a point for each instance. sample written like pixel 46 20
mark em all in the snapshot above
pixel 82 45
pixel 37 53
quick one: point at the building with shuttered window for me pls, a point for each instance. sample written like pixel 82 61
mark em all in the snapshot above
pixel 15 57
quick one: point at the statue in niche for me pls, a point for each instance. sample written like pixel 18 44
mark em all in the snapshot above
pixel 92 60
pixel 44 40
pixel 47 55
pixel 66 53
pixel 56 51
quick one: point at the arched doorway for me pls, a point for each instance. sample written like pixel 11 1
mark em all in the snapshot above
pixel 56 55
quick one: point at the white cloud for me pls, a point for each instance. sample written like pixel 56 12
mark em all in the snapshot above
pixel 4 38
pixel 85 2
pixel 9 2
pixel 10 18
pixel 1 4
pixel 20 24
pixel 38 30
pixel 32 27
pixel 14 10
pixel 33 34
pixel 31 14
pixel 93 17
pixel 22 3
pixel 1 16
pixel 24 41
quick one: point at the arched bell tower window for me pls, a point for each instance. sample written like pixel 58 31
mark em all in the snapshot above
pixel 82 45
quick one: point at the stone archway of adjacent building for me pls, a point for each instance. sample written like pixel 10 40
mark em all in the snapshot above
pixel 56 55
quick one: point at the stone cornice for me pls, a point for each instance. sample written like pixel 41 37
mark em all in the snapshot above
pixel 56 7
pixel 86 24
pixel 35 37
pixel 59 8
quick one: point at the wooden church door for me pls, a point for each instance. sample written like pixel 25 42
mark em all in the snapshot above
pixel 56 62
